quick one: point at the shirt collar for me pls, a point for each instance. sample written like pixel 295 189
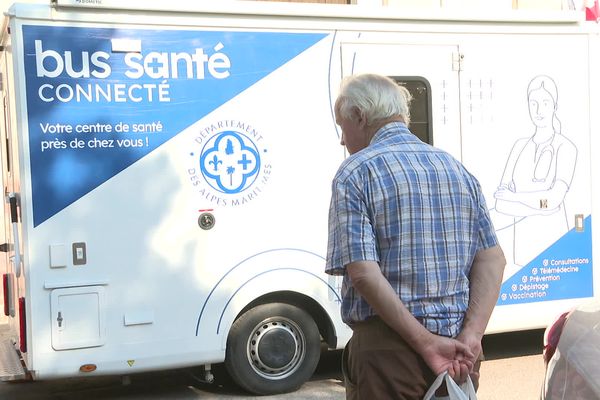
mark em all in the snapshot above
pixel 392 128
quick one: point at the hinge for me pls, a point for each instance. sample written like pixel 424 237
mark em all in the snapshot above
pixel 457 61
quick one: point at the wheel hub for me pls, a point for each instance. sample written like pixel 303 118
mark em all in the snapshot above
pixel 276 349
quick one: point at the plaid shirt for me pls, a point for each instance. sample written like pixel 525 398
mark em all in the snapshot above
pixel 420 214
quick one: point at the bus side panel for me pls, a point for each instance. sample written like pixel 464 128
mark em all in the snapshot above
pixel 526 136
pixel 172 182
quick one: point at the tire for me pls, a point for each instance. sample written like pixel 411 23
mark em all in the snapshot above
pixel 273 348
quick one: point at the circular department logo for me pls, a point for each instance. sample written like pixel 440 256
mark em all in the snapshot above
pixel 230 166
pixel 230 162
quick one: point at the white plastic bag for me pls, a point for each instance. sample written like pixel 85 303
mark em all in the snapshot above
pixel 465 391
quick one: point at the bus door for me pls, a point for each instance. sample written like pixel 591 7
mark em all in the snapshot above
pixel 11 263
pixel 429 72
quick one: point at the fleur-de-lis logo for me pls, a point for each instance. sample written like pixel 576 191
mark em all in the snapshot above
pixel 215 162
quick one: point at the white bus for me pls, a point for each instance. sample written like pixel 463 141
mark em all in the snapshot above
pixel 167 165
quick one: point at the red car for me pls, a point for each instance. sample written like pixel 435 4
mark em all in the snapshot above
pixel 572 355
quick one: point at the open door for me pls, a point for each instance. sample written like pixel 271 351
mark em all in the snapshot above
pixel 12 322
pixel 430 72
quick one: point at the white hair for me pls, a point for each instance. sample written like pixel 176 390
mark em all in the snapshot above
pixel 374 97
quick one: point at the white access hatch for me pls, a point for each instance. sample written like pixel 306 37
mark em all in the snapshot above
pixel 78 317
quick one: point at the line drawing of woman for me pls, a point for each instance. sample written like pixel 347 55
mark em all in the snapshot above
pixel 537 177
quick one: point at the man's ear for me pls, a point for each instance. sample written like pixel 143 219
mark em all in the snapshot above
pixel 359 117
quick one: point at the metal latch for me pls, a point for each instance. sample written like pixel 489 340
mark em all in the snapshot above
pixel 457 61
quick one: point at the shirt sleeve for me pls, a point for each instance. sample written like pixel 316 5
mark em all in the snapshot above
pixel 351 235
pixel 486 231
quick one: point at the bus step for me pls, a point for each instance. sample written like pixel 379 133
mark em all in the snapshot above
pixel 11 368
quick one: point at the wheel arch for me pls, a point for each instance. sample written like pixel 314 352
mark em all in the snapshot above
pixel 300 300
pixel 289 276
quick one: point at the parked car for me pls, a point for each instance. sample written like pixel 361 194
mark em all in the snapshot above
pixel 572 355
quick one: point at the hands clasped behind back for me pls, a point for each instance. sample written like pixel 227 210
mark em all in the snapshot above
pixel 446 354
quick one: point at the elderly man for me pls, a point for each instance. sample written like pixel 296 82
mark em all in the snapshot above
pixel 410 232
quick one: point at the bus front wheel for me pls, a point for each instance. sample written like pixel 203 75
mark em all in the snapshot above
pixel 273 348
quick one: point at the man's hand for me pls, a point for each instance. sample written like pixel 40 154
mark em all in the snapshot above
pixel 446 354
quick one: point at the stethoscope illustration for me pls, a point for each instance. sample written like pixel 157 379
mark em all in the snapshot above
pixel 543 162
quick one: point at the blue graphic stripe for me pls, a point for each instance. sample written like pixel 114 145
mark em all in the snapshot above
pixel 93 112
pixel 563 271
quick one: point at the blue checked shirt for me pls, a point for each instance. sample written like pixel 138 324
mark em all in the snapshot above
pixel 420 214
